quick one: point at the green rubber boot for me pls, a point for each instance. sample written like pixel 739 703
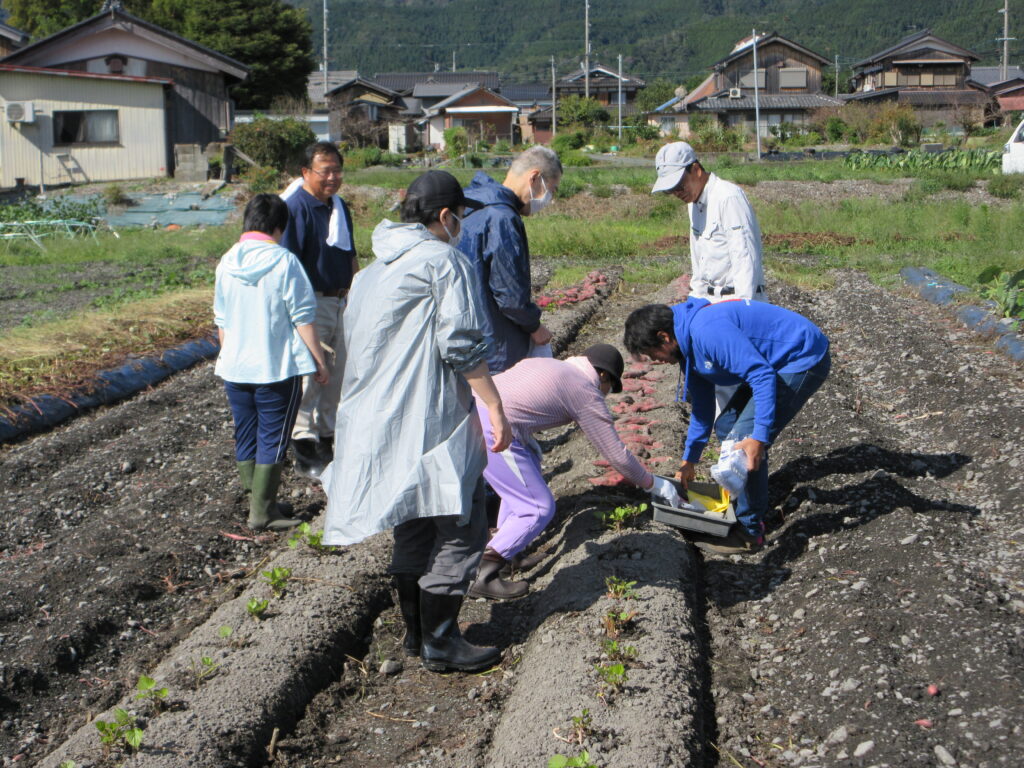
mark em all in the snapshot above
pixel 245 469
pixel 263 510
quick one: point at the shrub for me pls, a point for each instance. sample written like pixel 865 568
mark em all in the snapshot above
pixel 456 142
pixel 569 186
pixel 836 128
pixel 259 179
pixel 367 156
pixel 897 123
pixel 575 159
pixel 278 143
pixel 602 141
pixel 568 140
pixel 1006 187
pixel 502 146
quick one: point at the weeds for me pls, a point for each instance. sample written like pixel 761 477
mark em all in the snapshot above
pixel 620 517
pixel 148 692
pixel 278 578
pixel 1004 289
pixel 582 760
pixel 203 671
pixel 313 539
pixel 620 588
pixel 122 733
pixel 256 608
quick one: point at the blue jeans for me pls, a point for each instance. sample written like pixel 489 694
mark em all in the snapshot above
pixel 736 422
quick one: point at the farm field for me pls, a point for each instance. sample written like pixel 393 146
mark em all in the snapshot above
pixel 894 562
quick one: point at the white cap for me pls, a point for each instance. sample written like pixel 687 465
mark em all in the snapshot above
pixel 672 161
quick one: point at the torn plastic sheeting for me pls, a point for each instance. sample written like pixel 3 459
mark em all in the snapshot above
pixel 48 411
pixel 938 290
pixel 185 210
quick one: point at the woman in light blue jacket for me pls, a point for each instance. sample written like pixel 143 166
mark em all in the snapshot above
pixel 264 308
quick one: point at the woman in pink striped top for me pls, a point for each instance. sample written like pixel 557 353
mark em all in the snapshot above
pixel 541 393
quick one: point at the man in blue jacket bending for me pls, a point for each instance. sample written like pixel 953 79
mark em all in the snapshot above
pixel 494 237
pixel 780 356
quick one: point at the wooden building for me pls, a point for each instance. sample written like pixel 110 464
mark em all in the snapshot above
pixel 486 116
pixel 115 42
pixel 11 39
pixel 65 127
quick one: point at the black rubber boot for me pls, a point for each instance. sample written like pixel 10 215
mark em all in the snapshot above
pixel 444 648
pixel 489 583
pixel 523 563
pixel 409 604
pixel 263 512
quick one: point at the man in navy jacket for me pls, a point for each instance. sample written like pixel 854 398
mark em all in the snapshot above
pixel 780 356
pixel 494 237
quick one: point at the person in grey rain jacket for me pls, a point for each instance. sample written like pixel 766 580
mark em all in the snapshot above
pixel 409 449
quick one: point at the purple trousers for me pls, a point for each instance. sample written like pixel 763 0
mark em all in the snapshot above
pixel 527 504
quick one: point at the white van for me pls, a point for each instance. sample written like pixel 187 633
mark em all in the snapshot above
pixel 1013 151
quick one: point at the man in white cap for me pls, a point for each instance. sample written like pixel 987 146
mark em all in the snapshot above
pixel 725 239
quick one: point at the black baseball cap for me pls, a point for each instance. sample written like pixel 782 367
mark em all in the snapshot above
pixel 439 189
pixel 605 357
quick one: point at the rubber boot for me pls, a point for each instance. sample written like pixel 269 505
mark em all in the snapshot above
pixel 409 604
pixel 245 469
pixel 263 513
pixel 523 563
pixel 444 648
pixel 489 583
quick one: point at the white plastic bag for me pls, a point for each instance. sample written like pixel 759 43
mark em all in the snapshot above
pixel 730 471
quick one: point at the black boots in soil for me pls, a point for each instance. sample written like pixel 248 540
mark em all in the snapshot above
pixel 489 583
pixel 409 604
pixel 443 646
pixel 264 511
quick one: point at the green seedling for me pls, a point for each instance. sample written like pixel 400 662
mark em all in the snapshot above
pixel 257 607
pixel 313 539
pixel 277 578
pixel 617 622
pixel 66 764
pixel 620 517
pixel 618 652
pixel 204 670
pixel 148 692
pixel 582 760
pixel 620 588
pixel 225 632
pixel 613 677
pixel 582 726
pixel 121 733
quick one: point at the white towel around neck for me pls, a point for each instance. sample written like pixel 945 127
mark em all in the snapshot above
pixel 338 234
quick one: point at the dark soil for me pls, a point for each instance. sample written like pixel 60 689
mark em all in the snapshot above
pixel 894 564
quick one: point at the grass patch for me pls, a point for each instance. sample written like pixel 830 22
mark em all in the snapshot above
pixel 59 357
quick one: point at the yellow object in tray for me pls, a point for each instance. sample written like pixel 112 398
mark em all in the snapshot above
pixel 710 505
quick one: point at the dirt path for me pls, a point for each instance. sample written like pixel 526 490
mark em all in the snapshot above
pixel 897 567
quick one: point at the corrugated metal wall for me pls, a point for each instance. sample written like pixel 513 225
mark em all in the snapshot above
pixel 140 153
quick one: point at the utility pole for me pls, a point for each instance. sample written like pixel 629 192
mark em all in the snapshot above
pixel 1004 68
pixel 453 59
pixel 837 75
pixel 620 100
pixel 757 102
pixel 554 111
pixel 586 49
pixel 325 50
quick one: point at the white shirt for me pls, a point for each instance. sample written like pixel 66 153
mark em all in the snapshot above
pixel 725 244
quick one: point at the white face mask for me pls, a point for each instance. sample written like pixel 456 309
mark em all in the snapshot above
pixel 538 204
pixel 452 239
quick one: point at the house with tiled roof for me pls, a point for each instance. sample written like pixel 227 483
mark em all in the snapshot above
pixel 788 89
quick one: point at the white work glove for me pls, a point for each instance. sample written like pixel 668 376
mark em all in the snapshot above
pixel 666 491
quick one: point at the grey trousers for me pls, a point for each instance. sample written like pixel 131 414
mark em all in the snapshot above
pixel 444 554
pixel 319 406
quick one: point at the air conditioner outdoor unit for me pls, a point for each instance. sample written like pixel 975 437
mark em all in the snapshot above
pixel 20 112
pixel 735 93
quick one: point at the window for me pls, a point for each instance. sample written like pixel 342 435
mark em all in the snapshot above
pixel 793 77
pixel 908 79
pixel 95 126
pixel 927 78
pixel 747 81
pixel 946 80
pixel 888 79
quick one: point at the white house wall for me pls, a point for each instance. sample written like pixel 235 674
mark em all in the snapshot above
pixel 141 151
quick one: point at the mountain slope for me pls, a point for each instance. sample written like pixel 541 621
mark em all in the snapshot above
pixel 670 38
